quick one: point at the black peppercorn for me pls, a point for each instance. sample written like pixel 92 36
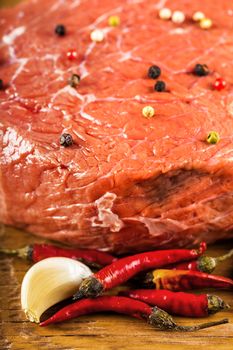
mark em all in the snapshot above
pixel 1 84
pixel 201 70
pixel 154 72
pixel 66 140
pixel 74 80
pixel 160 86
pixel 60 30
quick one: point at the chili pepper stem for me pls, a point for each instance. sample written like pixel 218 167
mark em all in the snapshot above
pixel 208 264
pixel 201 326
pixel 162 320
pixel 90 288
pixel 216 304
pixel 21 252
pixel 225 256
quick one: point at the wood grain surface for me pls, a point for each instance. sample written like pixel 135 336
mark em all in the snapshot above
pixel 8 3
pixel 99 331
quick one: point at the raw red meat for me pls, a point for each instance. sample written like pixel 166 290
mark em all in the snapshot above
pixel 128 183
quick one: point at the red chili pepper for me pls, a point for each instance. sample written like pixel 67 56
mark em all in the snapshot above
pixel 179 280
pixel 155 316
pixel 203 263
pixel 179 303
pixel 38 252
pixel 123 269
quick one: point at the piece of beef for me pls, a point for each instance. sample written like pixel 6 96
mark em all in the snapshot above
pixel 127 183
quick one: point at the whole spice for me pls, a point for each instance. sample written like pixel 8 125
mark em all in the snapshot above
pixel 97 35
pixel 60 30
pixel 203 263
pixel 72 54
pixel 198 16
pixel 153 315
pixel 160 86
pixel 178 280
pixel 148 112
pixel 165 13
pixel 205 23
pixel 123 269
pixel 66 140
pixel 178 17
pixel 1 84
pixel 179 303
pixel 38 252
pixel 201 70
pixel 219 84
pixel 74 80
pixel 48 282
pixel 154 72
pixel 213 137
pixel 114 21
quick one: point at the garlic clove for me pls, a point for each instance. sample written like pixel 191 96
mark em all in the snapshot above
pixel 48 282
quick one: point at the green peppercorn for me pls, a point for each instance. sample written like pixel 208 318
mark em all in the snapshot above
pixel 213 137
pixel 114 21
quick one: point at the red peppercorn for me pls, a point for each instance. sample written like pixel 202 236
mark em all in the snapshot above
pixel 219 84
pixel 72 54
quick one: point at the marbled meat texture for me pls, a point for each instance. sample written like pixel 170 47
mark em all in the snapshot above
pixel 128 183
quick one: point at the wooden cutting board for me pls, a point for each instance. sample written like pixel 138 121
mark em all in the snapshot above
pixel 99 331
pixel 8 3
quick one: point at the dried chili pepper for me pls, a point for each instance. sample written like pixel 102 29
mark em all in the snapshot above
pixel 179 303
pixel 153 315
pixel 178 280
pixel 38 252
pixel 123 269
pixel 203 263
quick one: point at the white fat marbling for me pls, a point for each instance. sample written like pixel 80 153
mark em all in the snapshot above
pixel 10 38
pixel 106 218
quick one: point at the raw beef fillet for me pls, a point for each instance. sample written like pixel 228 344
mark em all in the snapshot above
pixel 128 183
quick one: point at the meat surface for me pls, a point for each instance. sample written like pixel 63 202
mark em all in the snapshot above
pixel 128 183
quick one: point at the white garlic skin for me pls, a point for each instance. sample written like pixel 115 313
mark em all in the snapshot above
pixel 49 281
